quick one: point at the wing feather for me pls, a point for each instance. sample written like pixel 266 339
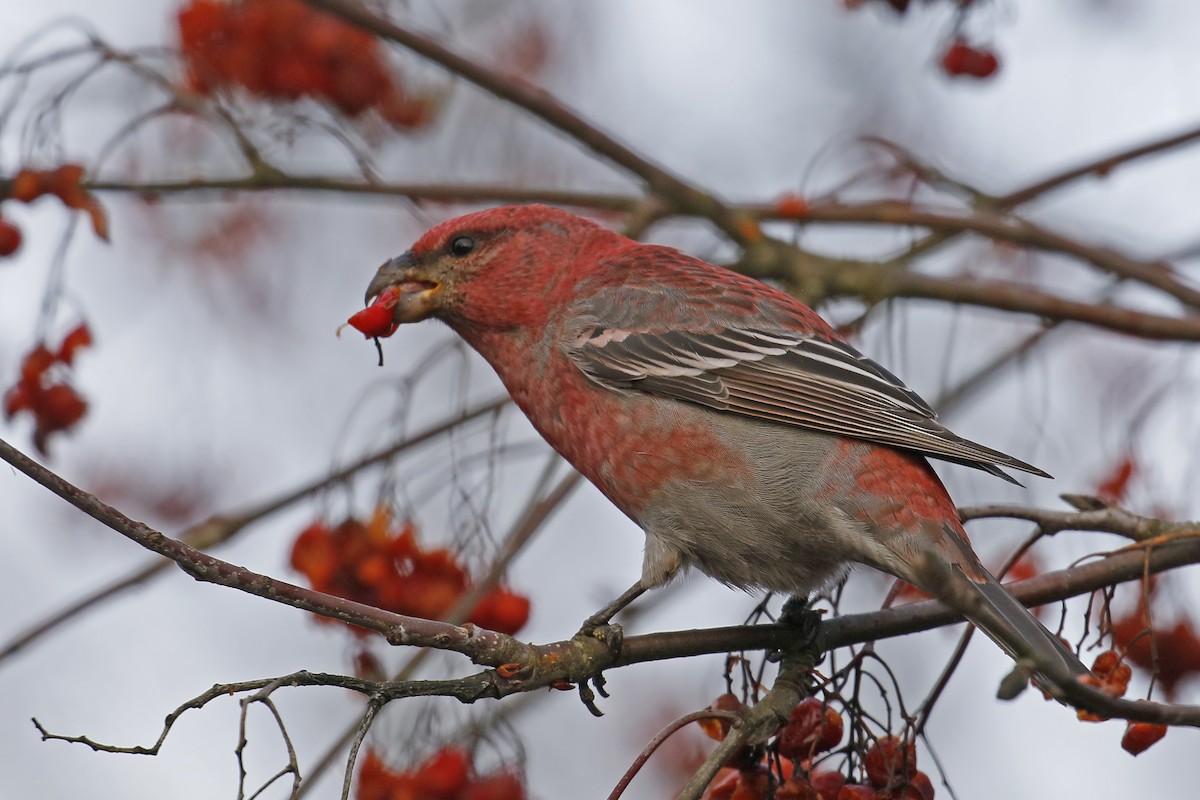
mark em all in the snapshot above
pixel 780 376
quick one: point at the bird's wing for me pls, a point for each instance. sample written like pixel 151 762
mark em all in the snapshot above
pixel 789 374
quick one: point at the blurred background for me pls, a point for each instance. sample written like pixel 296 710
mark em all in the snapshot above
pixel 218 380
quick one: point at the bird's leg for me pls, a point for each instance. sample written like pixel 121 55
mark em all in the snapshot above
pixel 598 626
pixel 602 617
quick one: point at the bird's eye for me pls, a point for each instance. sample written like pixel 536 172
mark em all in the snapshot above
pixel 461 245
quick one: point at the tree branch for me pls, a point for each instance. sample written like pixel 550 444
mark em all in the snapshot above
pixel 585 657
pixel 1004 228
pixel 1100 167
pixel 221 528
pixel 542 105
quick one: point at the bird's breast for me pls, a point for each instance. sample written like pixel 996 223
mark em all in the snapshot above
pixel 630 445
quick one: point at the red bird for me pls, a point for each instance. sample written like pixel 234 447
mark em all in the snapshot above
pixel 728 420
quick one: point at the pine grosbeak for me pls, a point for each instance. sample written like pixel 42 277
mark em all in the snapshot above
pixel 726 418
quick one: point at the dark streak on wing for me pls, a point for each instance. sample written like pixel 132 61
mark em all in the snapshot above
pixel 784 377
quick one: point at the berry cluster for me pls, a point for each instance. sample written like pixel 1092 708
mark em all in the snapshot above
pixel 961 59
pixel 1111 674
pixel 63 182
pixel 42 390
pixel 889 766
pixel 1170 652
pixel 445 775
pixel 285 50
pixel 375 564
pixel 812 728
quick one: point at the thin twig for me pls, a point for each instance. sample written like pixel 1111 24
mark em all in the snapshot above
pixel 661 737
pixel 222 527
pixel 537 512
pixel 1101 167
pixel 541 104
pixel 585 657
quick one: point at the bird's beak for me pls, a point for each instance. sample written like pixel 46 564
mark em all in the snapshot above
pixel 418 292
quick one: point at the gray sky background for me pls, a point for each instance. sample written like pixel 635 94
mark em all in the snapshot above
pixel 230 374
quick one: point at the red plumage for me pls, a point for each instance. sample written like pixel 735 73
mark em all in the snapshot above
pixel 725 417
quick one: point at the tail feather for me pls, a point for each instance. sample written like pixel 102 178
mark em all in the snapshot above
pixel 994 610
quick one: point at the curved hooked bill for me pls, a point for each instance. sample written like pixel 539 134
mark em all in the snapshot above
pixel 411 295
pixel 391 273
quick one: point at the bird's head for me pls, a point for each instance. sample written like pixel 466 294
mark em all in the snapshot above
pixel 498 268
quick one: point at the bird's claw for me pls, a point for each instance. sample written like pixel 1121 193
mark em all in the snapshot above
pixel 611 636
pixel 798 613
pixel 588 697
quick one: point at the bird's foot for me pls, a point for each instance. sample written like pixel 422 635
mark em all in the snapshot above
pixel 799 613
pixel 588 697
pixel 611 636
pixel 599 627
pixel 602 618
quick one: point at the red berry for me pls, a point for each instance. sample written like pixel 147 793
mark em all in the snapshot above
pixel 368 667
pixel 79 337
pixel 502 611
pixel 58 408
pixel 792 206
pixel 17 399
pixel 444 773
pixel 828 784
pixel 918 787
pixel 796 788
pixel 36 362
pixel 27 186
pixel 407 113
pixel 723 784
pixel 374 320
pixel 890 759
pixel 10 238
pixel 314 556
pixel 1111 673
pixel 64 182
pixel 718 728
pixel 986 64
pixel 812 728
pixel 377 318
pixel 1140 736
pixel 963 59
pixel 497 786
pixel 921 787
pixel 752 785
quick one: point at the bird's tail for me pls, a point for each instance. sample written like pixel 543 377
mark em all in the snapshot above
pixel 951 572
pixel 994 610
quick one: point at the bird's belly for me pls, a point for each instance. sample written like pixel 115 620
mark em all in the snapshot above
pixel 744 501
pixel 730 534
pixel 777 523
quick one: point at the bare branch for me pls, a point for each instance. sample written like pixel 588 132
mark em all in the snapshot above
pixel 1110 519
pixel 1006 228
pixel 536 514
pixel 222 527
pixel 542 105
pixel 874 283
pixel 768 715
pixel 584 657
pixel 1100 167
pixel 734 720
